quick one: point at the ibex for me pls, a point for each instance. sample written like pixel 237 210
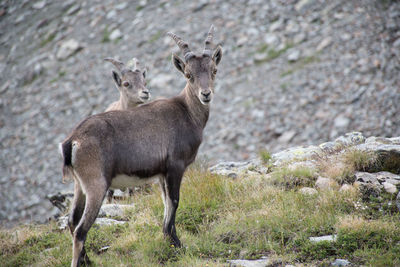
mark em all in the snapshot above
pixel 157 140
pixel 131 85
pixel 132 90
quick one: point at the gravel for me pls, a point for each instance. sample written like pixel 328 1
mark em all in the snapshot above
pixel 344 78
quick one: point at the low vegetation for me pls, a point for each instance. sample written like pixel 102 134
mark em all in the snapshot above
pixel 220 219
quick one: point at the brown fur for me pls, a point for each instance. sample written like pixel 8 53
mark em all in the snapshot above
pixel 159 138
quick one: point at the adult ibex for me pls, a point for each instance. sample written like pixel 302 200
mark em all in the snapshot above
pixel 132 90
pixel 157 140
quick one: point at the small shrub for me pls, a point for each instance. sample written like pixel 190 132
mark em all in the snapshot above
pixel 292 178
pixel 265 156
pixel 361 160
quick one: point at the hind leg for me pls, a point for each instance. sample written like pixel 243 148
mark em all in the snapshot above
pixel 78 205
pixel 95 193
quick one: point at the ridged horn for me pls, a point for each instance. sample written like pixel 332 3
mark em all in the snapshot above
pixel 183 46
pixel 209 39
pixel 118 64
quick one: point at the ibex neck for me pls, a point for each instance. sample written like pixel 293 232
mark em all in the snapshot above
pixel 198 112
pixel 125 103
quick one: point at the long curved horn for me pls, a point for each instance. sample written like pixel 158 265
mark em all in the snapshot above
pixel 183 46
pixel 118 64
pixel 209 39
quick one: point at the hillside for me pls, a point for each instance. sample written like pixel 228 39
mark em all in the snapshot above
pixel 328 205
pixel 293 72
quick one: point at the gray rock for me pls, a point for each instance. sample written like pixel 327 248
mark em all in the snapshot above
pixel 329 238
pixel 326 183
pixel 303 4
pixel 324 43
pixel 390 188
pixel 271 40
pixel 293 55
pixel 347 188
pixel 115 34
pixel 263 262
pixel 114 210
pixel 108 221
pixel 366 177
pixel 39 4
pixel 68 48
pixel 341 121
pixel 340 262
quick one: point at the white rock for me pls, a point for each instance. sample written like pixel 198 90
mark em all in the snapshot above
pixel 390 188
pixel 346 188
pixel 113 210
pixel 271 39
pixel 341 121
pixel 308 191
pixel 39 5
pixel 115 34
pixel 263 262
pixel 107 221
pixel 329 238
pixel 287 136
pixel 324 43
pixel 302 4
pixel 293 55
pixel 325 183
pixel 340 262
pixel 67 48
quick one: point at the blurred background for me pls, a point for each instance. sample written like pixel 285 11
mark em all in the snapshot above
pixel 292 73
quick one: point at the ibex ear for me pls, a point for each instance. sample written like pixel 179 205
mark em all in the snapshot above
pixel 217 55
pixel 144 72
pixel 178 63
pixel 116 78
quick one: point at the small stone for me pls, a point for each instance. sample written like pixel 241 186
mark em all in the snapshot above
pixel 397 43
pixel 72 10
pixel 107 221
pixel 302 4
pixel 112 14
pixel 286 137
pixel 242 40
pixel 341 121
pixel 115 34
pixel 68 48
pixel 39 5
pixel 347 188
pixel 113 210
pixel 249 263
pixel 293 55
pixel 308 191
pixel 121 6
pixel 340 262
pixel 325 183
pixel 271 39
pixel 329 238
pixel 260 57
pixel 390 188
pixel 324 43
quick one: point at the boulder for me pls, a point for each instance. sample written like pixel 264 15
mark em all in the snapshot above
pixel 323 183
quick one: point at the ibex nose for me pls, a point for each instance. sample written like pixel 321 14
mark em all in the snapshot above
pixel 206 94
pixel 145 91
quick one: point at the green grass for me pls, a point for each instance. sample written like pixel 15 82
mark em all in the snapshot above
pixel 271 53
pixel 219 219
pixel 265 156
pixel 300 65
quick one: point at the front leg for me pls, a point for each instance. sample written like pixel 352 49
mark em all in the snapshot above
pixel 172 184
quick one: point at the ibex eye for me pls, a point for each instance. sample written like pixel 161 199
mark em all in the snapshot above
pixel 188 75
pixel 215 71
pixel 126 84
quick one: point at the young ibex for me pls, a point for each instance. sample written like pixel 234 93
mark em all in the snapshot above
pixel 157 140
pixel 131 85
pixel 132 90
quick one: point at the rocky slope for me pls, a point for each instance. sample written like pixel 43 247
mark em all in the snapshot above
pixel 293 72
